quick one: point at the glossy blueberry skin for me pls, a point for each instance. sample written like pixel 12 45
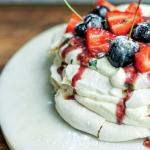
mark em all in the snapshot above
pixel 91 20
pixel 122 51
pixel 100 11
pixel 141 32
pixel 80 29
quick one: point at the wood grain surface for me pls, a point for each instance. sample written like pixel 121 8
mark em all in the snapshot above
pixel 19 24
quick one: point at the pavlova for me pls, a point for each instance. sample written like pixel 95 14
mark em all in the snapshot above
pixel 102 73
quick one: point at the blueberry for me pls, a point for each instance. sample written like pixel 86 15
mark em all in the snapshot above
pixel 100 11
pixel 122 51
pixel 141 32
pixel 91 20
pixel 80 29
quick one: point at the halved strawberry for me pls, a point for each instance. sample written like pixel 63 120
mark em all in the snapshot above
pixel 120 22
pixel 98 40
pixel 142 60
pixel 132 9
pixel 72 23
pixel 106 4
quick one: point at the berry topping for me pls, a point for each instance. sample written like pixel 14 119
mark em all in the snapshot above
pixel 100 11
pixel 142 60
pixel 106 4
pixel 121 22
pixel 80 29
pixel 72 23
pixel 98 40
pixel 122 51
pixel 132 9
pixel 142 32
pixel 91 20
pixel 145 19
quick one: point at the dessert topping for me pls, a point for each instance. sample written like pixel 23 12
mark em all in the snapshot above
pixel 101 55
pixel 106 4
pixel 122 51
pixel 131 75
pixel 146 143
pixel 91 20
pixel 145 19
pixel 78 75
pixel 80 29
pixel 142 59
pixel 100 11
pixel 93 63
pixel 60 71
pixel 132 9
pixel 115 20
pixel 72 23
pixel 71 61
pixel 98 40
pixel 125 20
pixel 120 111
pixel 142 32
pixel 69 97
pixel 67 40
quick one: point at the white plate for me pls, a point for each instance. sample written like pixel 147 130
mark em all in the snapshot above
pixel 28 116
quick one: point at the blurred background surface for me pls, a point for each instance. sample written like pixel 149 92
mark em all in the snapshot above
pixel 61 1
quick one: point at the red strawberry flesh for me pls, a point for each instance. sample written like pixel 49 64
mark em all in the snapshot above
pixel 132 9
pixel 120 22
pixel 98 40
pixel 142 60
pixel 72 23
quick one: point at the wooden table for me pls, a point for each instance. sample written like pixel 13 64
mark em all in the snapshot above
pixel 19 24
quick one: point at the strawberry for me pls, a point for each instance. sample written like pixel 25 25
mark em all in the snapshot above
pixel 142 60
pixel 72 23
pixel 106 4
pixel 121 22
pixel 132 9
pixel 98 40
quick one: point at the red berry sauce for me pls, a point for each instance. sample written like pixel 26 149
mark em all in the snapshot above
pixel 131 74
pixel 60 71
pixel 146 19
pixel 78 75
pixel 70 97
pixel 146 143
pixel 120 111
pixel 78 42
pixel 131 77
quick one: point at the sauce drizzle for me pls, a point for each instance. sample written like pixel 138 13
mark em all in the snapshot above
pixel 120 111
pixel 146 143
pixel 146 19
pixel 131 77
pixel 78 75
pixel 131 74
pixel 60 71
pixel 69 97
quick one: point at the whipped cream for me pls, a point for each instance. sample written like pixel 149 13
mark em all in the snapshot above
pixel 70 110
